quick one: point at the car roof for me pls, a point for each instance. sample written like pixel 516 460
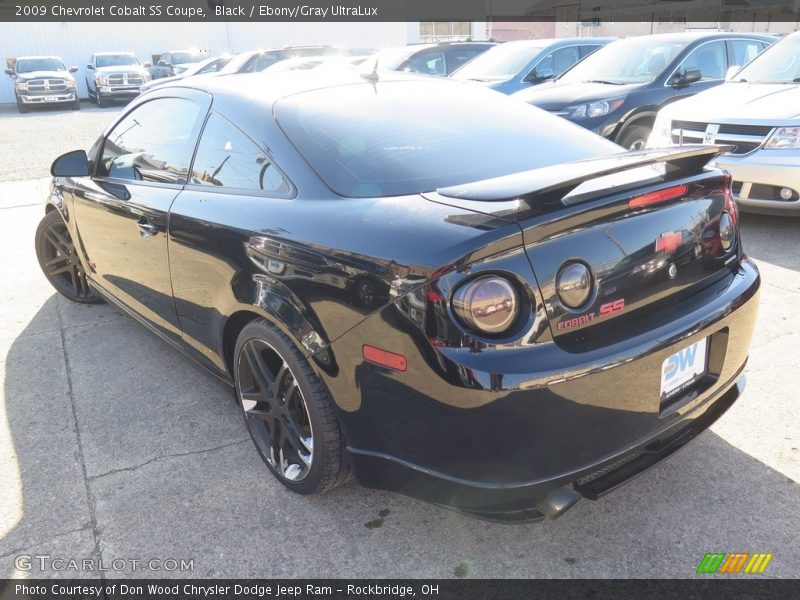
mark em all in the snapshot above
pixel 43 57
pixel 113 53
pixel 692 36
pixel 543 42
pixel 265 88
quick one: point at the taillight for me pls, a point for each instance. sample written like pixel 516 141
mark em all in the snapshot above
pixel 486 305
pixel 658 196
pixel 729 220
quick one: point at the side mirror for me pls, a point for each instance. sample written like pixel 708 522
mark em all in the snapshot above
pixel 692 75
pixel 687 77
pixel 9 72
pixel 162 63
pixel 732 71
pixel 71 164
pixel 540 75
pixel 147 65
pixel 73 69
pixel 90 67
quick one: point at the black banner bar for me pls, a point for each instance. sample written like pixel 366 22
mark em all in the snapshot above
pixel 588 11
pixel 738 588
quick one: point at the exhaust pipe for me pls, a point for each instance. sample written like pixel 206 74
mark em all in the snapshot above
pixel 557 502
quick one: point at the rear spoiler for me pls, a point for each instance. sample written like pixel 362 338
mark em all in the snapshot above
pixel 556 181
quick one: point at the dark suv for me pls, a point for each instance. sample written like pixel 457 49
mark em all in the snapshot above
pixel 42 80
pixel 431 59
pixel 617 91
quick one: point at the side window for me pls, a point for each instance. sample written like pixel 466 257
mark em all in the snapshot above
pixel 226 157
pixel 587 50
pixel 430 63
pixel 458 56
pixel 744 51
pixel 710 59
pixel 559 60
pixel 212 68
pixel 265 60
pixel 152 143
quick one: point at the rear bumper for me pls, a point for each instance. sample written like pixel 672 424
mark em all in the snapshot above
pixel 503 442
pixel 524 502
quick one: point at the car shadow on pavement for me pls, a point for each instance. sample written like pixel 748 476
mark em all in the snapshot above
pixel 119 447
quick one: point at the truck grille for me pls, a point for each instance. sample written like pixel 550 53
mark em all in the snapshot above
pixel 44 86
pixel 744 138
pixel 125 79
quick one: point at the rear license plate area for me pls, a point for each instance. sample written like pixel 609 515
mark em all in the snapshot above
pixel 683 368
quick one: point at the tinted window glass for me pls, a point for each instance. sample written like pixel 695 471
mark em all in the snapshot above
pixel 778 64
pixel 115 60
pixel 29 65
pixel 633 60
pixel 152 143
pixel 587 50
pixel 744 51
pixel 226 157
pixel 430 63
pixel 559 60
pixel 458 56
pixel 710 59
pixel 396 138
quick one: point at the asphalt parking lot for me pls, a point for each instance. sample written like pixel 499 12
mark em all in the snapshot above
pixel 115 446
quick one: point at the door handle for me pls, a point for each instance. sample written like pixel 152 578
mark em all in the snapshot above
pixel 146 229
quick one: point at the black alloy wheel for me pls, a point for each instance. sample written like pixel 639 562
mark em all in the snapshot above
pixel 59 260
pixel 288 412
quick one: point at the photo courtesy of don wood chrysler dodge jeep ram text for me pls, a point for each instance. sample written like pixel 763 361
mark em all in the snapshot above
pixel 500 319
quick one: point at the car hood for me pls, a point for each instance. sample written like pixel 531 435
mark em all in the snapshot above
pixel 759 101
pixel 43 75
pixel 555 95
pixel 120 69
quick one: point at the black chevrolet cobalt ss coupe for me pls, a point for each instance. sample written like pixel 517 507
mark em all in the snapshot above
pixel 445 291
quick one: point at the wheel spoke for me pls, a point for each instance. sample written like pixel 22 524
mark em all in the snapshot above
pixel 299 442
pixel 259 370
pixel 58 241
pixel 256 405
pixel 60 270
pixel 57 260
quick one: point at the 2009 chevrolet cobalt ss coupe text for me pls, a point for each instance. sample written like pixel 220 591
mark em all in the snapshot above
pixel 450 293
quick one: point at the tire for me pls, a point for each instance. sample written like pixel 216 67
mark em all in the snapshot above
pixel 76 104
pixel 101 102
pixel 21 107
pixel 59 260
pixel 288 411
pixel 92 97
pixel 635 137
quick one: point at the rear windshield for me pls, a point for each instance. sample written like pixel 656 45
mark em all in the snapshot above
pixel 398 138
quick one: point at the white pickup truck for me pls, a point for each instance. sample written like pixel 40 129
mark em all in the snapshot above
pixel 757 111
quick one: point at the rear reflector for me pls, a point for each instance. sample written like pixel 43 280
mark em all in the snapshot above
pixel 384 358
pixel 659 196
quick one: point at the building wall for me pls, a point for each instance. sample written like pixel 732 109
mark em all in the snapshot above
pixel 75 42
pixel 508 31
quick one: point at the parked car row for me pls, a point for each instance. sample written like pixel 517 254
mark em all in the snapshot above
pixel 120 76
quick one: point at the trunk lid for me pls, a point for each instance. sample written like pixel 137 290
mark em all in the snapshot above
pixel 645 224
